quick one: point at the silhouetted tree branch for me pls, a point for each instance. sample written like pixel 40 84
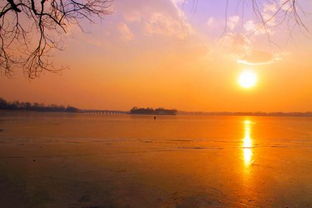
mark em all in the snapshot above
pixel 281 11
pixel 29 29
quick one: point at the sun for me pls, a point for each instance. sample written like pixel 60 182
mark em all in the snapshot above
pixel 247 79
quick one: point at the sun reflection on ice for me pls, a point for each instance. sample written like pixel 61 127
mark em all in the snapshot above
pixel 247 144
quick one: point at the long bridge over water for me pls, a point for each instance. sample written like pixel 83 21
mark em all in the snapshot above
pixel 105 112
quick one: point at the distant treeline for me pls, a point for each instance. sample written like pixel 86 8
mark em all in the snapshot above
pixel 151 111
pixel 27 106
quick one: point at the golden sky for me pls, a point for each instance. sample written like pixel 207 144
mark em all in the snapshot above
pixel 170 53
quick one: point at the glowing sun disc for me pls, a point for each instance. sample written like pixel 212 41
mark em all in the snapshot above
pixel 247 79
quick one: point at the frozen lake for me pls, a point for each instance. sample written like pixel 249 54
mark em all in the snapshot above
pixel 101 161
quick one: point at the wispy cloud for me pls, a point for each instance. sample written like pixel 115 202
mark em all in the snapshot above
pixel 161 24
pixel 257 58
pixel 233 22
pixel 210 21
pixel 125 32
pixel 162 18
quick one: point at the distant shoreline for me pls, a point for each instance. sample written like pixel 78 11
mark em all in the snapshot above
pixel 272 114
pixel 17 106
pixel 116 112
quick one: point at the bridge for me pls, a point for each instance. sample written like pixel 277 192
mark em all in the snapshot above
pixel 105 112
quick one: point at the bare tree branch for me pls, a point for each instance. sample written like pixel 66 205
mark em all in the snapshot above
pixel 281 11
pixel 34 26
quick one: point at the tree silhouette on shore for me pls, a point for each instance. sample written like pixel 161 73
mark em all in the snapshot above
pixel 27 106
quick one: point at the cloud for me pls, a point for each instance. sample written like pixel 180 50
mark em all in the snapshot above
pixel 276 12
pixel 270 7
pixel 161 24
pixel 256 58
pixel 210 21
pixel 256 28
pixel 177 4
pixel 236 43
pixel 233 22
pixel 243 50
pixel 125 32
pixel 162 18
pixel 133 16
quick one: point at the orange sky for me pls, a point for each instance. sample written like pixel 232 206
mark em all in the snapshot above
pixel 165 54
